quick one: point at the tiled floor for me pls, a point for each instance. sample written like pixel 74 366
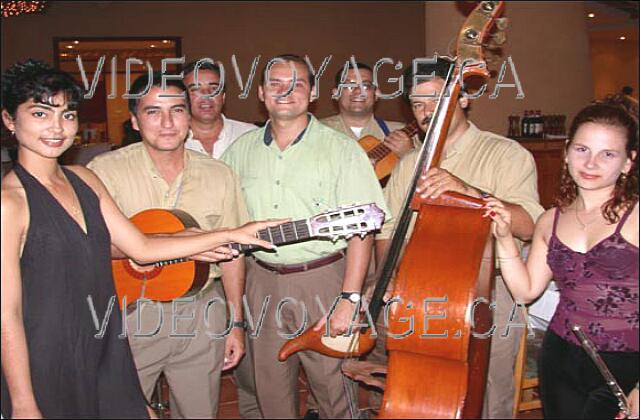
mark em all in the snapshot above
pixel 228 408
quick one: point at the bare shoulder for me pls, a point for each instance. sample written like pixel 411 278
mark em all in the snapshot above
pixel 89 177
pixel 630 229
pixel 544 225
pixel 13 202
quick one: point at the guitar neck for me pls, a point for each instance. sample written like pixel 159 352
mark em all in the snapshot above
pixel 285 233
pixel 381 150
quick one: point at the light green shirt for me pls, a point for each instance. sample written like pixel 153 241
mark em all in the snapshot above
pixel 322 170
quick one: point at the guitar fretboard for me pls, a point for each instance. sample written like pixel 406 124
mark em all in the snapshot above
pixel 279 235
pixel 381 151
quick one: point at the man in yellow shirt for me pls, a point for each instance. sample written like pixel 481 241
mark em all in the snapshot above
pixel 179 337
pixel 474 163
pixel 298 167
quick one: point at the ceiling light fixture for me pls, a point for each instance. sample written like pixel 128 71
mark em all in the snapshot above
pixel 591 15
pixel 15 8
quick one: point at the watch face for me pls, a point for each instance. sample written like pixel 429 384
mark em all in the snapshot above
pixel 354 297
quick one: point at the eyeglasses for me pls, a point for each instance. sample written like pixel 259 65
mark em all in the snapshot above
pixel 365 86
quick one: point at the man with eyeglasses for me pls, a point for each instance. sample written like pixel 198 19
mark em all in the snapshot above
pixel 356 118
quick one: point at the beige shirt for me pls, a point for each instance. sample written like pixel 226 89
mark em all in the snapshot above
pixel 206 189
pixel 491 163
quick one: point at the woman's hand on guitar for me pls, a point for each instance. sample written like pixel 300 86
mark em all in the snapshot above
pixel 216 255
pixel 501 217
pixel 219 254
pixel 399 142
pixel 247 233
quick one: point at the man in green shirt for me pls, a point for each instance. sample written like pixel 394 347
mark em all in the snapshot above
pixel 298 167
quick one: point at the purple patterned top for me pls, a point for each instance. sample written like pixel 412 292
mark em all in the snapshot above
pixel 598 290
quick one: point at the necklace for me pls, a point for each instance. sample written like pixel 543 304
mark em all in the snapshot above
pixel 583 226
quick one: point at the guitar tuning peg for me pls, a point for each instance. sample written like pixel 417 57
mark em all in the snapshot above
pixel 502 23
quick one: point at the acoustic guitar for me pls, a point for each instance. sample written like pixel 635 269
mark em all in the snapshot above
pixel 167 280
pixel 382 158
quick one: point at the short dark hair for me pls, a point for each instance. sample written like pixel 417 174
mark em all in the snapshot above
pixel 140 84
pixel 440 68
pixel 36 80
pixel 288 58
pixel 627 90
pixel 204 65
pixel 350 66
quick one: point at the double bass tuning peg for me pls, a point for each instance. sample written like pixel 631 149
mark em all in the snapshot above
pixel 502 23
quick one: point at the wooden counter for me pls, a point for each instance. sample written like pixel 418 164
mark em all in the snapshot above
pixel 549 157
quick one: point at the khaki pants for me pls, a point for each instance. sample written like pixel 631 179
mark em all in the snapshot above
pixel 291 297
pixel 192 364
pixel 244 378
pixel 498 397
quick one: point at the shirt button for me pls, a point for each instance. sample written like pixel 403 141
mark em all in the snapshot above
pixel 275 206
pixel 280 157
pixel 277 182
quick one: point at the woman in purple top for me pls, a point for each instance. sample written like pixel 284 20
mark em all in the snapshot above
pixel 589 245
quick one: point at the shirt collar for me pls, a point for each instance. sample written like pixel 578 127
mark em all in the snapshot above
pixel 465 139
pixel 223 132
pixel 148 164
pixel 268 137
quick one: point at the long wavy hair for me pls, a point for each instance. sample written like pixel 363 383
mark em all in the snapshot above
pixel 625 193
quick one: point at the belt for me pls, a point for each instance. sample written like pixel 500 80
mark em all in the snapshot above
pixel 299 268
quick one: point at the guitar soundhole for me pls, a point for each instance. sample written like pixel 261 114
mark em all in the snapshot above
pixel 142 272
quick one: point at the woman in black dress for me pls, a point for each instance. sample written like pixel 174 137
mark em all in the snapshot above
pixel 57 227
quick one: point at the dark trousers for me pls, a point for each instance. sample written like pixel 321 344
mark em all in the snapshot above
pixel 571 385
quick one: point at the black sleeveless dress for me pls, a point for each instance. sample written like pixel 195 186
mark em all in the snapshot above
pixel 67 291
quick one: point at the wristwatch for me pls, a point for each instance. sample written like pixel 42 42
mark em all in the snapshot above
pixel 353 297
pixel 240 324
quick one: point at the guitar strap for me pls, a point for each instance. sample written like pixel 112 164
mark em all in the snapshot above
pixel 383 125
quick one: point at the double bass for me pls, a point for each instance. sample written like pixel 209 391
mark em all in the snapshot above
pixel 440 315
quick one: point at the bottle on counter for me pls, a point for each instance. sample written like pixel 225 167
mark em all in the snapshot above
pixel 525 124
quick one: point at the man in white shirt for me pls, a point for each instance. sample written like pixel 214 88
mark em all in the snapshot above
pixel 211 133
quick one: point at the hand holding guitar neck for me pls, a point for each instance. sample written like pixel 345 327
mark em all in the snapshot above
pixel 248 236
pixel 181 277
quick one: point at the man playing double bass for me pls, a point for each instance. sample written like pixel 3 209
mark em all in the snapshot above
pixel 475 163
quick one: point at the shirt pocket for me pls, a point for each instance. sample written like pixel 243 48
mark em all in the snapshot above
pixel 316 185
pixel 254 192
